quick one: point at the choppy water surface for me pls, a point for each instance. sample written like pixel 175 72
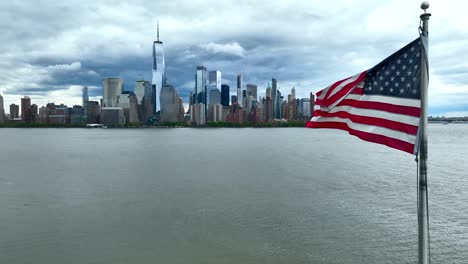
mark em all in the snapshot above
pixel 285 195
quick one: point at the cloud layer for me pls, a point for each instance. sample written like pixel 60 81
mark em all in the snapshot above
pixel 49 49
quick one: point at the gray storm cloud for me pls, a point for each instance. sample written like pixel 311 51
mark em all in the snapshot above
pixel 49 47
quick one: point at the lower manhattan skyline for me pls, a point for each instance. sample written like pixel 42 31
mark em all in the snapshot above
pixel 300 45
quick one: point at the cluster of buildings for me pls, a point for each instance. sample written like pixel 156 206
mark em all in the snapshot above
pixel 210 102
pixel 159 102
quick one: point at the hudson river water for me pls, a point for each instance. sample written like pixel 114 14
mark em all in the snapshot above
pixel 284 195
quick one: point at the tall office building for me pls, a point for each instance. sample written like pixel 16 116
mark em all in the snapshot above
pixel 94 112
pixel 268 91
pixel 112 116
pixel 25 105
pixel 14 111
pixel 312 104
pixel 197 114
pixel 216 113
pixel 170 108
pixel 274 96
pixel 244 98
pixel 239 90
pixel 33 111
pixel 234 100
pixel 225 95
pixel 215 97
pixel 112 88
pixel 181 109
pixel 76 114
pixel 214 78
pixel 279 100
pixel 139 89
pixel 2 110
pixel 200 85
pixel 159 71
pixel 128 102
pixel 214 83
pixel 252 90
pixel 85 100
pixel 147 107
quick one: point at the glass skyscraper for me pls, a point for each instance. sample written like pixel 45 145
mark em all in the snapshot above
pixel 225 95
pixel 239 90
pixel 159 71
pixel 85 102
pixel 112 88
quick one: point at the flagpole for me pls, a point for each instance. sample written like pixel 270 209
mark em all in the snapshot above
pixel 423 219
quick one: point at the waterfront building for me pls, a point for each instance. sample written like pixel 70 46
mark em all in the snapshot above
pixel 225 95
pixel 258 113
pixel 128 102
pixel 85 99
pixel 214 82
pixel 33 110
pixel 2 111
pixel 197 114
pixel 112 116
pixel 216 113
pixel 312 104
pixel 55 114
pixel 236 115
pixel 112 88
pixel 159 71
pixel 268 109
pixel 147 107
pixel 244 98
pixel 215 97
pixel 14 111
pixel 304 109
pixel 181 109
pixel 25 105
pixel 76 114
pixel 139 90
pixel 170 108
pixel 239 90
pixel 290 112
pixel 200 85
pixel 94 112
pixel 274 96
pixel 277 106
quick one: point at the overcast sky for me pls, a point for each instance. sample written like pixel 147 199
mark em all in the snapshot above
pixel 49 49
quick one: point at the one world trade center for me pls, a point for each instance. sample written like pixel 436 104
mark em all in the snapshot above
pixel 159 71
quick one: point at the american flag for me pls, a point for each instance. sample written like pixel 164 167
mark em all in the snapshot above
pixel 380 105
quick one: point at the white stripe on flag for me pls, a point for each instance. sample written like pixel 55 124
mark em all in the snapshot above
pixel 369 129
pixel 410 120
pixel 343 84
pixel 386 99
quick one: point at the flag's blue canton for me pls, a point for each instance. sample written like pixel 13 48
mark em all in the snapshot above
pixel 399 74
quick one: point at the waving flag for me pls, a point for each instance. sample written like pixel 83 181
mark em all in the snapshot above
pixel 380 105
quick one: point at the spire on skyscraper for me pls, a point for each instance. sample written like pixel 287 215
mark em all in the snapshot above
pixel 157 32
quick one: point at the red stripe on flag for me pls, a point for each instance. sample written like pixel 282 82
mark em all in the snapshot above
pixel 397 109
pixel 332 87
pixel 373 121
pixel 379 139
pixel 345 90
pixel 359 91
